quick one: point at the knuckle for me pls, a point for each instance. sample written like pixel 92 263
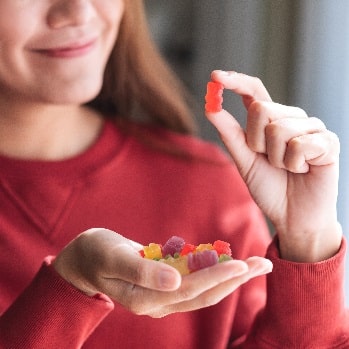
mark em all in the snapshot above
pixel 295 146
pixel 294 156
pixel 84 237
pixel 254 145
pixel 139 273
pixel 334 140
pixel 257 108
pixel 318 124
pixel 257 81
pixel 272 131
pixel 299 112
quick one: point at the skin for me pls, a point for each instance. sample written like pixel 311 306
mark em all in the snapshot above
pixel 42 118
pixel 42 86
pixel 100 260
pixel 297 155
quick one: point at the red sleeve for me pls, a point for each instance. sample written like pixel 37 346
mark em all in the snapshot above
pixel 51 313
pixel 305 305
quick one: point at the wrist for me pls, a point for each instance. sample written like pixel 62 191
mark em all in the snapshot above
pixel 311 247
pixel 64 266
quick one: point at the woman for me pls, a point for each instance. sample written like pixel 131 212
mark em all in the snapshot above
pixel 73 74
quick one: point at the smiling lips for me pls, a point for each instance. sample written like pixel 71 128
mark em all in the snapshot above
pixel 71 51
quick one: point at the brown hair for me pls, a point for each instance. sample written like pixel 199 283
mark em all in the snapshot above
pixel 138 81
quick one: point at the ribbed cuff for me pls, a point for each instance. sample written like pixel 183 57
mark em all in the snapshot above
pixel 305 304
pixel 51 313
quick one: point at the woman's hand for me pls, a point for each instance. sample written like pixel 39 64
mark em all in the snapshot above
pixel 289 162
pixel 102 261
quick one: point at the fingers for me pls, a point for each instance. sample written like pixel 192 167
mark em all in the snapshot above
pixel 248 87
pixel 200 289
pixel 286 135
pixel 234 139
pixel 215 292
pixel 290 139
pixel 264 120
pixel 190 287
pixel 318 149
pixel 97 256
pixel 130 267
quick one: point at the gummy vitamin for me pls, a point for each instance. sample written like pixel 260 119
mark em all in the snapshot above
pixel 185 257
pixel 214 97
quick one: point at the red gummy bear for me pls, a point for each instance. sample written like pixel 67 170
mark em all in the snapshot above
pixel 222 247
pixel 214 97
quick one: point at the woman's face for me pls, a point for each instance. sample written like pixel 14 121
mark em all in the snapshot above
pixel 55 51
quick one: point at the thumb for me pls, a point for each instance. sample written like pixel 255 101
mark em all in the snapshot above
pixel 234 138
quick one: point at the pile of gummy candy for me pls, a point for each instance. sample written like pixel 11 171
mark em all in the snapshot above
pixel 185 257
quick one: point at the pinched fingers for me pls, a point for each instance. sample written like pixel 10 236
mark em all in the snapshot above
pixel 248 87
pixel 290 139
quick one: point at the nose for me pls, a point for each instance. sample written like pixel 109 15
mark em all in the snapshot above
pixel 70 13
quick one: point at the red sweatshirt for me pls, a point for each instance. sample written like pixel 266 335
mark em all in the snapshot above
pixel 149 186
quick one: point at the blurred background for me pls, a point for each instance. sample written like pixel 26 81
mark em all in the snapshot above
pixel 299 49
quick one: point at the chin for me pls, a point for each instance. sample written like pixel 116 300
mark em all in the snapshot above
pixel 78 95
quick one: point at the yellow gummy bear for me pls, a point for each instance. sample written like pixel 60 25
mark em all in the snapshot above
pixel 204 247
pixel 181 264
pixel 152 251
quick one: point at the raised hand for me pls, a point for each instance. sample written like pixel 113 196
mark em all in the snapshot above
pixel 289 162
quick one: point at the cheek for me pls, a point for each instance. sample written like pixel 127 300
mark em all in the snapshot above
pixel 10 34
pixel 112 11
pixel 111 14
pixel 17 24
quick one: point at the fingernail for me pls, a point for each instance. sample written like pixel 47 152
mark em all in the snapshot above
pixel 168 280
pixel 224 72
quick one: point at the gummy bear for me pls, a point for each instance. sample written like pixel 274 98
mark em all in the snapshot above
pixel 187 258
pixel 222 247
pixel 202 259
pixel 152 251
pixel 173 245
pixel 214 97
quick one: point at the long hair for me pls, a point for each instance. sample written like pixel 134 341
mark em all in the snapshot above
pixel 138 82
